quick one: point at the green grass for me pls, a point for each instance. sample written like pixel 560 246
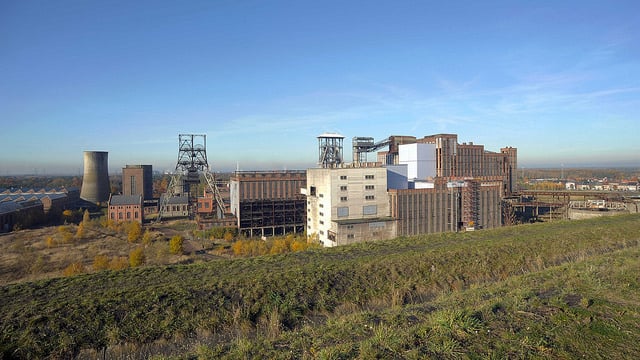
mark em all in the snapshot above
pixel 557 290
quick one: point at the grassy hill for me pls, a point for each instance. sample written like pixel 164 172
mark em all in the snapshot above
pixel 557 290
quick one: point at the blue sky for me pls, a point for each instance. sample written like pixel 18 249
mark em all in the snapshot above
pixel 559 80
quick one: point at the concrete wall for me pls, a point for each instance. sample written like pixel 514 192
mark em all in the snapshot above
pixel 579 214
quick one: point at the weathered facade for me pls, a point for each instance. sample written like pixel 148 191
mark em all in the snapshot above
pixel 448 206
pixel 347 205
pixel 268 203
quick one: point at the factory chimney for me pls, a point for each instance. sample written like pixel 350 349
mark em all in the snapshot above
pixel 95 182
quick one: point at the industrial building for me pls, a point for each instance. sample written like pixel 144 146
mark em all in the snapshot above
pixel 138 180
pixel 56 199
pixel 447 206
pixel 348 204
pixel 22 213
pixel 126 208
pixel 174 206
pixel 418 186
pixel 268 203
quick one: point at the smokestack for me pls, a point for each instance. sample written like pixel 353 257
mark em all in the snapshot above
pixel 95 182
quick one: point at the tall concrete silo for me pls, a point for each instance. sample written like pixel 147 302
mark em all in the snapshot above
pixel 95 183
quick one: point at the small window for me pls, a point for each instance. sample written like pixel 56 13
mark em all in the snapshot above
pixel 370 210
pixel 321 232
pixel 113 216
pixel 128 215
pixel 369 197
pixel 120 216
pixel 350 236
pixel 312 190
pixel 343 177
pixel 135 215
pixel 369 187
pixel 343 188
pixel 321 222
pixel 321 214
pixel 320 205
pixel 343 198
pixel 321 195
pixel 369 177
pixel 343 211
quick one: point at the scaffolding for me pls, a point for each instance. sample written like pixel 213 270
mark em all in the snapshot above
pixel 272 217
pixel 470 202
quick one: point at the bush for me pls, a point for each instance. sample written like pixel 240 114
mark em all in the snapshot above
pixel 118 263
pixel 175 245
pixel 134 231
pixel 50 241
pixel 136 257
pixel 100 262
pixel 147 238
pixel 80 231
pixel 73 269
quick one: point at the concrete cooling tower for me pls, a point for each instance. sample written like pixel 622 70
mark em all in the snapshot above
pixel 95 183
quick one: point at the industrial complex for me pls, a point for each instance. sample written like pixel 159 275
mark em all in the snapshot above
pixel 415 186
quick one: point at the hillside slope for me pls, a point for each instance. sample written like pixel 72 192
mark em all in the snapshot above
pixel 519 291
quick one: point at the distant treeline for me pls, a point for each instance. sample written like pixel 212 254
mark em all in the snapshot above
pixel 612 174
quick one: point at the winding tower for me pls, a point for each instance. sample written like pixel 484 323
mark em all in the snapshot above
pixel 192 167
pixel 330 150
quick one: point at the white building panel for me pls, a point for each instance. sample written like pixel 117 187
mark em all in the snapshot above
pixel 419 158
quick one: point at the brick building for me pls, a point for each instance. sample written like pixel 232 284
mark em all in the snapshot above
pixel 126 208
pixel 138 180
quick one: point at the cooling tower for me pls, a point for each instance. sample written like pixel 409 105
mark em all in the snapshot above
pixel 95 183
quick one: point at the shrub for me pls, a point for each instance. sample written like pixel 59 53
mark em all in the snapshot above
pixel 279 246
pixel 67 215
pixel 73 269
pixel 80 231
pixel 50 241
pixel 147 238
pixel 118 263
pixel 136 257
pixel 134 231
pixel 100 262
pixel 86 218
pixel 175 245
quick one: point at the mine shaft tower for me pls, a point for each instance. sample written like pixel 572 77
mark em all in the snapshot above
pixel 192 163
